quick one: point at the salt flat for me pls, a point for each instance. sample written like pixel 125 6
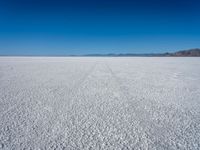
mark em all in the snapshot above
pixel 99 103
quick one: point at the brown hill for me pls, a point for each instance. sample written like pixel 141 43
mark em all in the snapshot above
pixel 187 53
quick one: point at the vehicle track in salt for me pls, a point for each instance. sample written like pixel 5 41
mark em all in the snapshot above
pixel 60 140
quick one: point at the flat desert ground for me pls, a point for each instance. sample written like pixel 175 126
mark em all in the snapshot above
pixel 99 103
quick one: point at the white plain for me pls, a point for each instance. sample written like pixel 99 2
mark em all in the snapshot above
pixel 99 103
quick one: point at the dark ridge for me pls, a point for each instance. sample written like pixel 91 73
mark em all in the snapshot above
pixel 188 53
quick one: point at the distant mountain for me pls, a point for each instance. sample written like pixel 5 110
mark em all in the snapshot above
pixel 182 53
pixel 187 53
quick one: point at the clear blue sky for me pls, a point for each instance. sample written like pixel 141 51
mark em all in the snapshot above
pixel 48 27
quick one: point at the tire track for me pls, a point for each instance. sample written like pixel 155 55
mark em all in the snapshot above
pixel 93 119
pixel 127 98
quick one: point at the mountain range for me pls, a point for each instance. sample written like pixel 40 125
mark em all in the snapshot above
pixel 183 53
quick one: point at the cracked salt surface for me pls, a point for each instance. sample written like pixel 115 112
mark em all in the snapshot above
pixel 99 103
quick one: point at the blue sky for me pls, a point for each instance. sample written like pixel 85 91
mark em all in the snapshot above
pixel 33 27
